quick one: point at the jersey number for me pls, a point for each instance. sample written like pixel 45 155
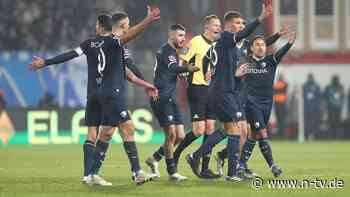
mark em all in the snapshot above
pixel 101 62
pixel 155 68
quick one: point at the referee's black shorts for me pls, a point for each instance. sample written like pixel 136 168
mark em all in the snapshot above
pixel 198 102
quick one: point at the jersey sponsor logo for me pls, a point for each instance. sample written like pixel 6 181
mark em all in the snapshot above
pixel 257 70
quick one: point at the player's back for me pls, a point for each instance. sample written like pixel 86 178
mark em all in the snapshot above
pixel 164 79
pixel 106 71
pixel 223 80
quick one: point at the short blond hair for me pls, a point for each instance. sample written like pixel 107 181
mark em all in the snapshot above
pixel 208 18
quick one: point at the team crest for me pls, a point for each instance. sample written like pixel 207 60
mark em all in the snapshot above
pixel 263 64
pixel 123 114
pixel 170 118
pixel 257 124
pixel 172 60
pixel 239 114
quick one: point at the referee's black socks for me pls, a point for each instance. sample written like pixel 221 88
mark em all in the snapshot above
pixel 189 138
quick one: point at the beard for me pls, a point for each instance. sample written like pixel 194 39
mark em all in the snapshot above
pixel 177 45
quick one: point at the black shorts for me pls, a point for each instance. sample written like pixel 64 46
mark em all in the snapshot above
pixel 258 115
pixel 167 112
pixel 107 110
pixel 198 102
pixel 226 107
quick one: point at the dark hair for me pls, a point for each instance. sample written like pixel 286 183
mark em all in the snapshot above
pixel 175 27
pixel 117 17
pixel 105 21
pixel 208 18
pixel 231 15
pixel 255 38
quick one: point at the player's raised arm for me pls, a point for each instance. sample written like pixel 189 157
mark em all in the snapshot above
pixel 153 14
pixel 250 28
pixel 283 51
pixel 272 39
pixel 39 62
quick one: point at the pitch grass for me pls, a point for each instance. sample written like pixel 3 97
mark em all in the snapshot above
pixel 56 170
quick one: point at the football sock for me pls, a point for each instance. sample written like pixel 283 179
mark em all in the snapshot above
pixel 233 149
pixel 247 150
pixel 170 166
pixel 189 138
pixel 88 149
pixel 266 151
pixel 131 151
pixel 99 156
pixel 159 154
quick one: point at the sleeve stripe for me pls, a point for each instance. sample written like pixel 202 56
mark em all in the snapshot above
pixel 79 51
pixel 274 59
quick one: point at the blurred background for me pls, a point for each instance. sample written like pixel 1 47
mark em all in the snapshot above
pixel 312 87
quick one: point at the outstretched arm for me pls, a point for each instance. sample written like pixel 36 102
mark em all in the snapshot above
pixel 39 62
pixel 283 51
pixel 153 14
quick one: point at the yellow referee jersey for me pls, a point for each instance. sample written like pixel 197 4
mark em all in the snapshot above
pixel 197 48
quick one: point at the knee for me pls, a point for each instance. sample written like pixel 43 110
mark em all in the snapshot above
pixel 91 135
pixel 105 137
pixel 252 136
pixel 106 134
pixel 128 130
pixel 180 137
pixel 198 128
pixel 210 129
pixel 171 134
pixel 262 134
